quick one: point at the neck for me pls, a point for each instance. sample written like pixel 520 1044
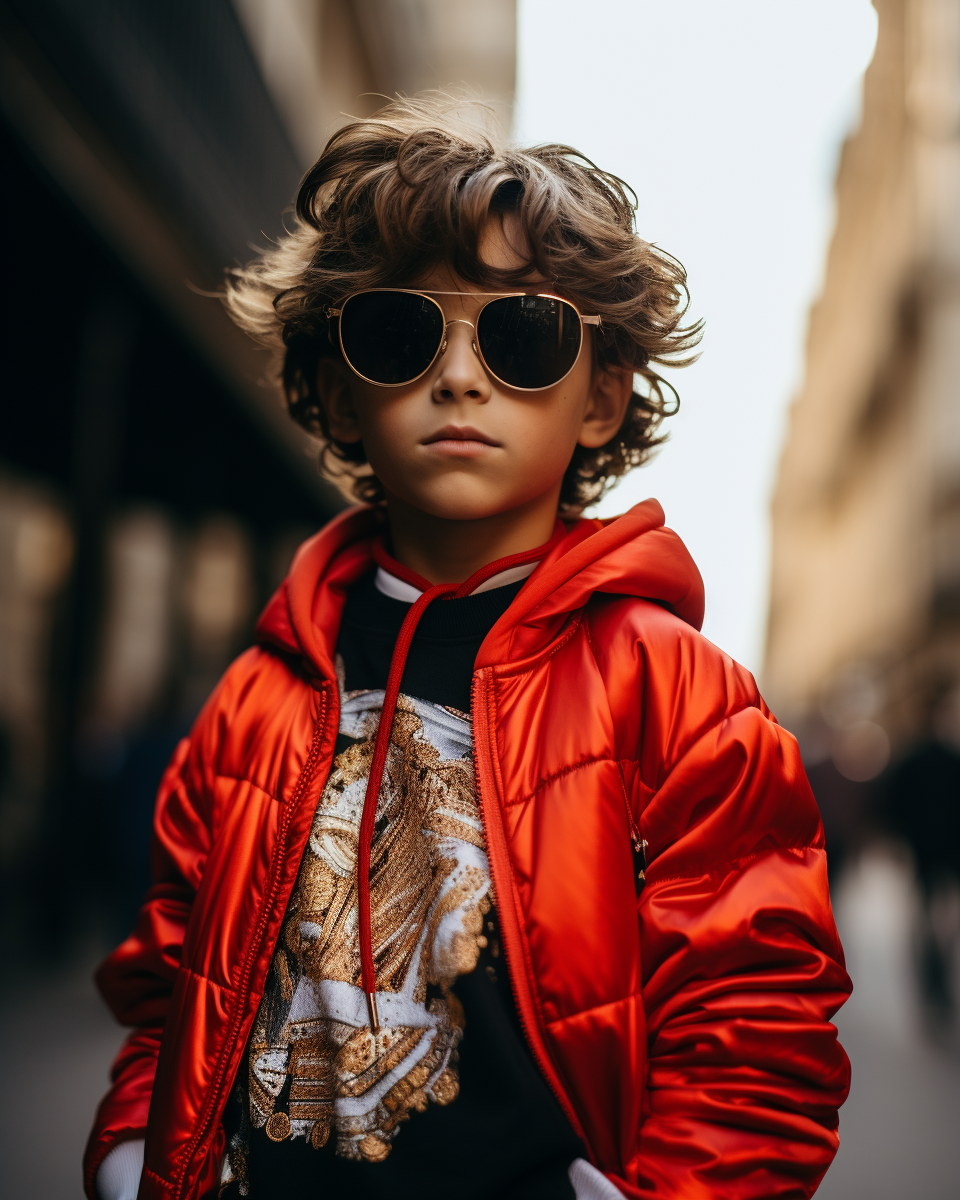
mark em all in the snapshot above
pixel 448 551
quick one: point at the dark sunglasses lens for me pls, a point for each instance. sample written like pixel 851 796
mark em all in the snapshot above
pixel 390 337
pixel 529 341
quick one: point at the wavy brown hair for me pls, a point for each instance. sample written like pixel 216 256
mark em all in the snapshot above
pixel 413 186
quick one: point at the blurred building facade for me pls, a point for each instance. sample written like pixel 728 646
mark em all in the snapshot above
pixel 863 647
pixel 152 486
pixel 866 550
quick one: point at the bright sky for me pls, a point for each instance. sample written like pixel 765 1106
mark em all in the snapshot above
pixel 726 117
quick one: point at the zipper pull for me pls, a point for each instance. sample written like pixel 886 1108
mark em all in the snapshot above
pixel 639 843
pixel 639 857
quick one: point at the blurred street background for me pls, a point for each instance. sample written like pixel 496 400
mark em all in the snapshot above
pixel 801 157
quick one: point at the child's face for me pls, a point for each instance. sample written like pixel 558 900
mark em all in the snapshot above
pixel 460 445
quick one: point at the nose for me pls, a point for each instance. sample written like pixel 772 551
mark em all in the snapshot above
pixel 461 375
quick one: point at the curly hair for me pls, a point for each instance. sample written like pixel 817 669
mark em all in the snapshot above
pixel 413 186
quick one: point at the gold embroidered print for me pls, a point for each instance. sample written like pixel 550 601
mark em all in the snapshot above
pixel 315 1068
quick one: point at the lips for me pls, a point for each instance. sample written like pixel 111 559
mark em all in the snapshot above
pixel 465 434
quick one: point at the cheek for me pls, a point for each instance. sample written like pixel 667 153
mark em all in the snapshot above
pixel 548 435
pixel 555 423
pixel 383 420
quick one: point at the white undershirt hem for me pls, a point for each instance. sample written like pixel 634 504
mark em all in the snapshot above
pixel 591 1184
pixel 119 1175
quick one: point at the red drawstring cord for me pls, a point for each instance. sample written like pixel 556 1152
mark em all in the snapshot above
pixel 368 976
pixel 381 745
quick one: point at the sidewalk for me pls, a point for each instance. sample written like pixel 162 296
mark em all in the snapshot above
pixel 900 1128
pixel 56 1043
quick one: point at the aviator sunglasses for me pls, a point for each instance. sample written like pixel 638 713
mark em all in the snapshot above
pixel 392 336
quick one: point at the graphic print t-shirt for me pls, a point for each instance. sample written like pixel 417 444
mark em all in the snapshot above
pixel 445 1097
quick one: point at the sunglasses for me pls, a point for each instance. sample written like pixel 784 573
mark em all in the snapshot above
pixel 392 336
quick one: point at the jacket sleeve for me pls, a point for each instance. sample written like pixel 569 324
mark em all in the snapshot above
pixel 742 968
pixel 136 980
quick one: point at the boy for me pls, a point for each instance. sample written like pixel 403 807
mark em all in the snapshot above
pixel 482 874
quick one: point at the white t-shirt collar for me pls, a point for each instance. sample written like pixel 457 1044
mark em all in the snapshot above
pixel 399 589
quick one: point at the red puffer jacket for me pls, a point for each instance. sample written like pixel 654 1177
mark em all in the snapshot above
pixel 686 1033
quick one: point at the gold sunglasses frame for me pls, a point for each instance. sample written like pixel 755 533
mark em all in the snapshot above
pixel 429 294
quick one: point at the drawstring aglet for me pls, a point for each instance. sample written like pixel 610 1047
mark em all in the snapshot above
pixel 372 1011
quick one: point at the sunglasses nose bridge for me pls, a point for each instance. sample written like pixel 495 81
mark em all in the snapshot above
pixel 459 321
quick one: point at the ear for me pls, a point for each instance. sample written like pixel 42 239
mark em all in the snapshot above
pixel 335 389
pixel 610 392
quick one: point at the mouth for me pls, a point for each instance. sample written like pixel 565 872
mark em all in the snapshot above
pixel 460 440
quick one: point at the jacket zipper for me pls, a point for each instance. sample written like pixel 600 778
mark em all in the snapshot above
pixel 306 778
pixel 498 852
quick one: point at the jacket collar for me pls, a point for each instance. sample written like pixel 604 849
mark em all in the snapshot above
pixel 630 555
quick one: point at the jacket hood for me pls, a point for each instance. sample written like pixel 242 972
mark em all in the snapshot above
pixel 630 555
